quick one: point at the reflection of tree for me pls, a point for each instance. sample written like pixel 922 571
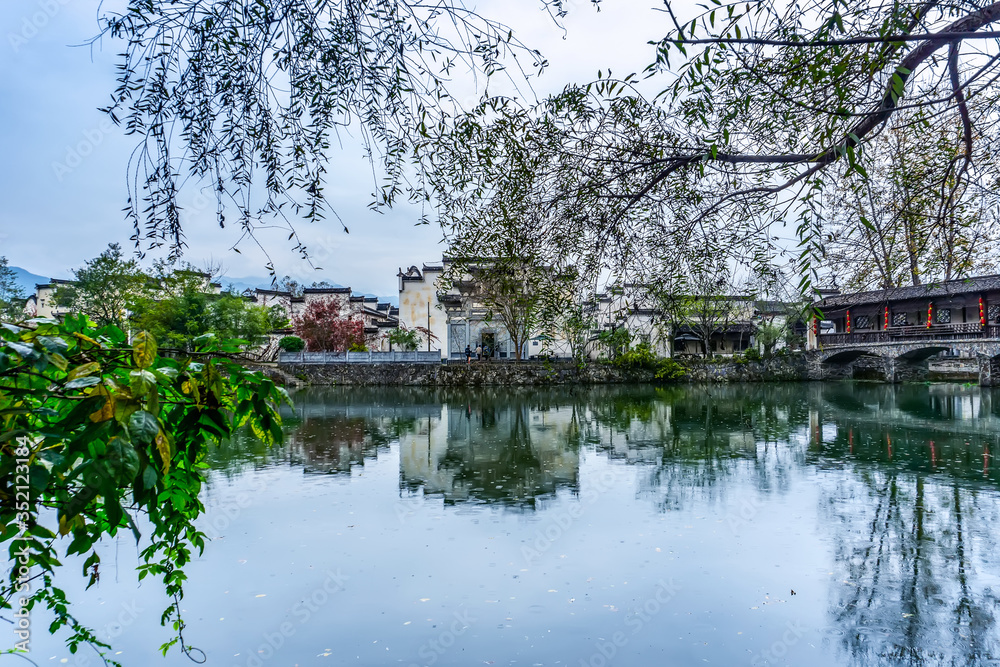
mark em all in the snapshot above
pixel 900 469
pixel 913 555
pixel 336 443
pixel 696 438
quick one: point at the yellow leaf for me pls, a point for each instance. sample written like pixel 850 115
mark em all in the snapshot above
pixel 87 338
pixel 84 370
pixel 163 447
pixel 59 361
pixel 107 411
pixel 68 524
pixel 190 387
pixel 262 434
pixel 144 349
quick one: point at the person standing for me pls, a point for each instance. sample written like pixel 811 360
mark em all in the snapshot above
pixel 479 352
pixel 468 355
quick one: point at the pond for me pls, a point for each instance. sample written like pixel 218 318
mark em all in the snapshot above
pixel 819 524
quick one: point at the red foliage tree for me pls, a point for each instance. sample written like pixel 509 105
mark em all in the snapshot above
pixel 323 328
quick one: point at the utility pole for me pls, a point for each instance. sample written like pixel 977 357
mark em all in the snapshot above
pixel 428 326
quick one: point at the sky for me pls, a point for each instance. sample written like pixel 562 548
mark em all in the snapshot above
pixel 63 177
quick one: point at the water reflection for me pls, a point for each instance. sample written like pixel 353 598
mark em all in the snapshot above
pixel 908 494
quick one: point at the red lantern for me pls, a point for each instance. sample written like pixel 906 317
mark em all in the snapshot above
pixel 886 325
pixel 982 313
pixel 929 306
pixel 848 321
pixel 815 326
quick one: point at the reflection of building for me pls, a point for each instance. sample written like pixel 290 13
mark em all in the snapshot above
pixel 492 453
pixel 334 435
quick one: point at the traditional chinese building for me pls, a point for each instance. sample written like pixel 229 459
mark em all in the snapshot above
pixel 956 309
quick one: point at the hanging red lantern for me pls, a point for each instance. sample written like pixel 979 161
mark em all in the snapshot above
pixel 848 321
pixel 815 326
pixel 929 307
pixel 982 313
pixel 886 323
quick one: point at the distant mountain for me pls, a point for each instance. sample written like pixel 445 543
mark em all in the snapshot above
pixel 27 280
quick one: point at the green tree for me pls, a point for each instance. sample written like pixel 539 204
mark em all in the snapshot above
pixel 179 306
pixel 404 339
pixel 911 220
pixel 106 289
pixel 769 335
pixel 94 432
pixel 11 295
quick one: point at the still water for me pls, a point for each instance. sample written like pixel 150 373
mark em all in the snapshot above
pixel 800 524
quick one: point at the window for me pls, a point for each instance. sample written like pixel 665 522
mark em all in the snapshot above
pixel 994 313
pixel 862 322
pixel 942 316
pixel 899 319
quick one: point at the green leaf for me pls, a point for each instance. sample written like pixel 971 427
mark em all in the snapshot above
pixel 140 382
pixel 149 478
pixel 80 383
pixel 26 352
pixel 143 427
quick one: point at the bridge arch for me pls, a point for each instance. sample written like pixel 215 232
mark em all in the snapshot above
pixel 918 354
pixel 847 356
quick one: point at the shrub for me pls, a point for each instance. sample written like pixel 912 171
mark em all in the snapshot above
pixel 292 344
pixel 642 357
pixel 669 370
pixel 751 354
pixel 639 357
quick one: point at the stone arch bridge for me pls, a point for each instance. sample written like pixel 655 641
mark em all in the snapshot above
pixel 901 354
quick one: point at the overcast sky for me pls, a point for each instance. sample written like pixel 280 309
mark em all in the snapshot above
pixel 63 173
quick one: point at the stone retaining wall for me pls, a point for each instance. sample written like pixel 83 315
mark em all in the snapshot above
pixel 459 375
pixel 794 368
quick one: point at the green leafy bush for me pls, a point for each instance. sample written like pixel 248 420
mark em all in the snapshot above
pixel 642 357
pixel 751 354
pixel 96 430
pixel 292 344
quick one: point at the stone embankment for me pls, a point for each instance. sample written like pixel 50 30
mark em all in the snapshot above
pixel 793 368
pixel 463 375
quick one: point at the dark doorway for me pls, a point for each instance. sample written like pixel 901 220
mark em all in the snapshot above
pixel 489 343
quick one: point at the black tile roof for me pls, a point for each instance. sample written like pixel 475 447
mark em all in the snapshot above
pixel 928 291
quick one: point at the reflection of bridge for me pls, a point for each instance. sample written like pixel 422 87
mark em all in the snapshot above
pixel 909 346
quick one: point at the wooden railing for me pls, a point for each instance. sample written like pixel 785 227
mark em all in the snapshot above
pixel 963 331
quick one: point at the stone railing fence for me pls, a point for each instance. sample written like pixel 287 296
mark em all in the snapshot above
pixel 432 357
